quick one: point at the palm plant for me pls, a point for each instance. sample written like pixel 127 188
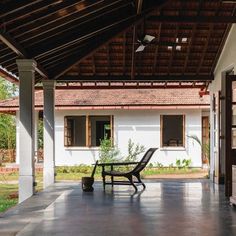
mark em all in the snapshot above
pixel 205 148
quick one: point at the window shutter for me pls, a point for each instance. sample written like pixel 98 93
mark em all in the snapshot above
pixel 161 126
pixel 88 131
pixel 68 126
pixel 112 129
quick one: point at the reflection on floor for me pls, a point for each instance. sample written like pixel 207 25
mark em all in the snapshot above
pixel 167 208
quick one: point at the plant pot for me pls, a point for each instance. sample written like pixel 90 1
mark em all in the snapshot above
pixel 87 184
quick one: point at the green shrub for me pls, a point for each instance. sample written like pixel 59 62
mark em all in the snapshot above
pixel 186 163
pixel 108 152
pixel 159 165
pixel 84 169
pixel 133 151
pixel 178 163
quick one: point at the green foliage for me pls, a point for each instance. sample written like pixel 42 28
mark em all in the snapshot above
pixel 7 122
pixel 159 165
pixel 108 152
pixel 5 200
pixel 133 151
pixel 185 163
pixel 205 147
pixel 85 169
pixel 40 133
pixel 178 163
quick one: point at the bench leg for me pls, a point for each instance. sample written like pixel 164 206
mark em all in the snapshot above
pixel 139 180
pixel 130 178
pixel 103 178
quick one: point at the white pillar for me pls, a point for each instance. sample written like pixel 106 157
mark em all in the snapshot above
pixel 48 133
pixel 26 69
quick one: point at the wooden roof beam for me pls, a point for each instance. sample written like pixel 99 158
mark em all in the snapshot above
pixel 19 50
pixel 171 78
pixel 52 28
pixel 79 34
pixel 193 19
pixel 15 6
pixel 94 45
pixel 49 8
pixel 8 76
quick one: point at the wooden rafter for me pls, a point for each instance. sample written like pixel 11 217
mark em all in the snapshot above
pixel 93 64
pixel 132 73
pixel 89 29
pixel 44 18
pixel 108 59
pixel 73 23
pixel 124 53
pixel 156 50
pixel 190 42
pixel 99 41
pixel 20 51
pixel 8 76
pixel 173 50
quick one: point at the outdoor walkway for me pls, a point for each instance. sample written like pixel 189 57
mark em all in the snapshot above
pixel 166 208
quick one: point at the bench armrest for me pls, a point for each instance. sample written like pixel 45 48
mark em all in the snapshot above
pixel 118 164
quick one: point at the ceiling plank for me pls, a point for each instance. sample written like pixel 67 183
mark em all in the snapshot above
pixel 88 30
pixel 33 19
pixel 16 6
pixel 69 24
pixel 100 40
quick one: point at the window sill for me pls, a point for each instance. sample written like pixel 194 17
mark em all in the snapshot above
pixel 82 148
pixel 173 149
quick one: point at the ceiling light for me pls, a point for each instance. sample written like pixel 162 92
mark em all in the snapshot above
pixel 178 48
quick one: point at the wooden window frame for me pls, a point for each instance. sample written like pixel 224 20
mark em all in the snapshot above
pixel 161 130
pixel 87 129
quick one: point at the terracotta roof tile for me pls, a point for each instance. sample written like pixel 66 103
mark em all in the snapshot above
pixel 119 97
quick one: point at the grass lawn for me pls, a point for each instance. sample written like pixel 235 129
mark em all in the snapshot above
pixel 6 201
pixel 9 186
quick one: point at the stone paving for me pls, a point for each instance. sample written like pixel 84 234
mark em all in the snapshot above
pixel 165 208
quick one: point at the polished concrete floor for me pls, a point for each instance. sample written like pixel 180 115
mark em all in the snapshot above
pixel 180 208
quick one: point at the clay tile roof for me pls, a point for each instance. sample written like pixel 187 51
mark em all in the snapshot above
pixel 118 97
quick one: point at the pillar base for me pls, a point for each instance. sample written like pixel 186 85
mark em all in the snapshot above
pixel 26 187
pixel 48 177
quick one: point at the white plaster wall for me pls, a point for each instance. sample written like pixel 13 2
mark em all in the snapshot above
pixel 142 127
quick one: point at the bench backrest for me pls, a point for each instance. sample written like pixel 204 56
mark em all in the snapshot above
pixel 144 161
